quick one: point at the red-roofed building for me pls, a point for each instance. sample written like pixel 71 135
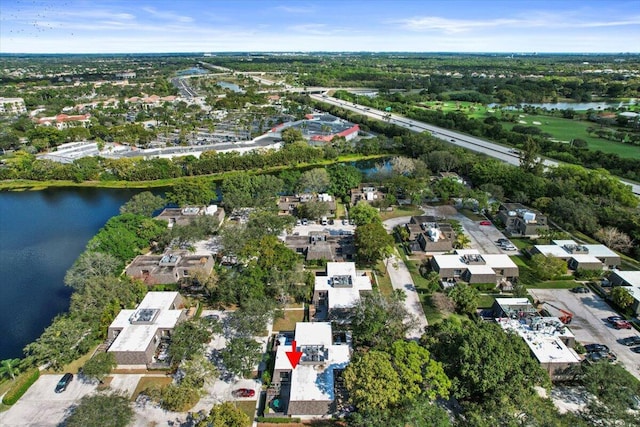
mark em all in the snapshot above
pixel 62 121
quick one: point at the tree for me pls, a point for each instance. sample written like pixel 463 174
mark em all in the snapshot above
pixel 145 204
pixel 314 181
pixel 372 382
pixel 225 415
pixel 343 178
pixel 621 297
pixel 379 321
pixel 402 165
pixel 484 363
pixel 9 368
pixel 99 366
pixel 529 157
pixel 372 243
pixel 363 213
pixel 547 267
pixel 192 192
pixel 291 135
pixel 313 209
pixel 419 374
pixel 198 371
pixel 614 239
pixel 188 339
pixel 465 298
pixel 101 410
pixel 241 355
pixel 89 266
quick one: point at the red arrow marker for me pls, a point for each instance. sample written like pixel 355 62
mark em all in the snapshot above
pixel 293 355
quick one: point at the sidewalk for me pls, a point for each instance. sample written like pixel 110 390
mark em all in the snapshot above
pixel 401 279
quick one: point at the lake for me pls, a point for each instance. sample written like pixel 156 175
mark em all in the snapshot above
pixel 41 235
pixel 579 106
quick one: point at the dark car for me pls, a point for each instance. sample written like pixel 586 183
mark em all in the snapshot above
pixel 596 348
pixel 601 355
pixel 64 382
pixel 580 290
pixel 636 349
pixel 629 341
pixel 614 319
pixel 243 392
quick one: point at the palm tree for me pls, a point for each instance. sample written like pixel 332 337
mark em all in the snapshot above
pixel 9 368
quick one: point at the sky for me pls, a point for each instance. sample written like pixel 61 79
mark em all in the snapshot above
pixel 135 26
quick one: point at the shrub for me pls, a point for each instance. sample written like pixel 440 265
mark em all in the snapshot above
pixel 276 420
pixel 20 387
pixel 484 287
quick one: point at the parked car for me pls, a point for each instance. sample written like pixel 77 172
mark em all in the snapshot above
pixel 509 248
pixel 629 341
pixel 243 392
pixel 345 222
pixel 613 319
pixel 596 348
pixel 636 349
pixel 64 382
pixel 580 290
pixel 304 221
pixel 485 222
pixel 501 241
pixel 622 324
pixel 598 356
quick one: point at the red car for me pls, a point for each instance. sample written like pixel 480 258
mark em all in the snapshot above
pixel 485 222
pixel 622 324
pixel 243 392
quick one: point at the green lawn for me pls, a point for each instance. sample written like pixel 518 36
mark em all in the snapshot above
pixel 288 323
pixel 146 382
pixel 248 407
pixel 567 129
pixel 405 210
pixel 471 109
pixel 384 281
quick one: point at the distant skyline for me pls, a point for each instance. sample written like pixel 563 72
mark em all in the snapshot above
pixel 510 26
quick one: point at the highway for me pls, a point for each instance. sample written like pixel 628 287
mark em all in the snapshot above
pixel 506 154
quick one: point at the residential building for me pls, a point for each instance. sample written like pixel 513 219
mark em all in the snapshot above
pixel 520 220
pixel 288 205
pixel 12 106
pixel 323 245
pixel 168 268
pixel 631 281
pixel 470 266
pixel 337 291
pixel 428 234
pixel 367 192
pixel 548 339
pixel 312 387
pixel 139 337
pixel 63 121
pixel 184 216
pixel 587 257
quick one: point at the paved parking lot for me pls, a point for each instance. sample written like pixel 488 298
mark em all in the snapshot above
pixel 41 406
pixel 589 325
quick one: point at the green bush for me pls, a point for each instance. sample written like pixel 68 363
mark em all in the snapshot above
pixel 484 287
pixel 20 387
pixel 276 420
pixel 579 348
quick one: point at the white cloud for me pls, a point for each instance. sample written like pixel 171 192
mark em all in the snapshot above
pixel 295 9
pixel 171 16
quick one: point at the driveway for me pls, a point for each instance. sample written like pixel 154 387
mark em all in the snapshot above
pixel 401 279
pixel 589 325
pixel 483 237
pixel 42 407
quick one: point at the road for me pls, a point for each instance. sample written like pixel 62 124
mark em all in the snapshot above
pixel 478 145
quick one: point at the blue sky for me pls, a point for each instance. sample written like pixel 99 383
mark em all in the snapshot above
pixel 109 26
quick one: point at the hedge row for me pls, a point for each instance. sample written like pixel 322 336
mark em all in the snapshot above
pixel 21 385
pixel 276 420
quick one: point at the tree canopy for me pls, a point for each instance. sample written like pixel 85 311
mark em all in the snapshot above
pixel 101 410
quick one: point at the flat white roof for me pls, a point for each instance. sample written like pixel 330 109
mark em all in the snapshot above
pixel 314 382
pixel 601 251
pixel 586 259
pixel 545 343
pixel 480 269
pixel 565 242
pixel 342 296
pixel 499 261
pixel 512 301
pixel 450 261
pixel 554 250
pixel 632 277
pixel 136 337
